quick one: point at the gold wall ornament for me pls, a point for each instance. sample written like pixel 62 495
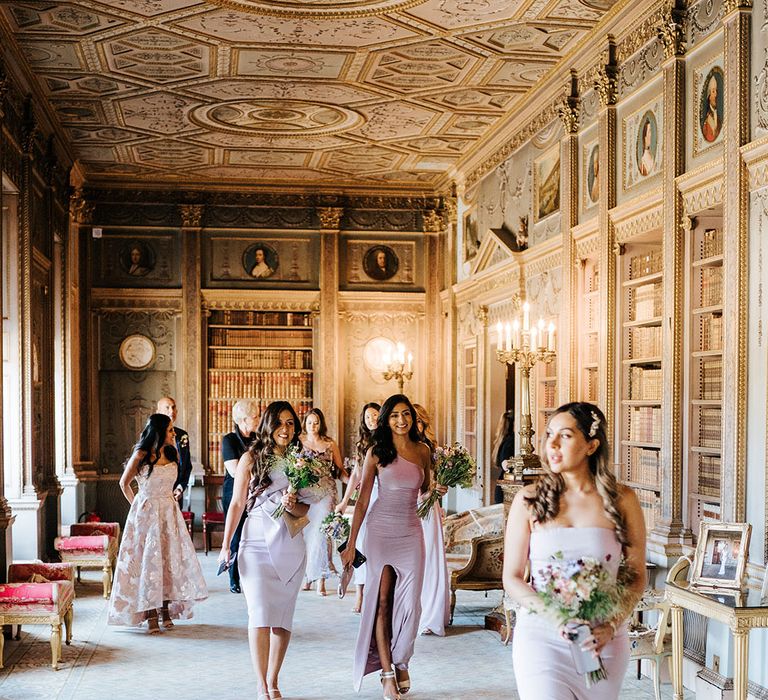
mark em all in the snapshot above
pixel 733 5
pixel 606 85
pixel 191 215
pixel 432 221
pixel 80 210
pixel 568 111
pixel 671 30
pixel 330 217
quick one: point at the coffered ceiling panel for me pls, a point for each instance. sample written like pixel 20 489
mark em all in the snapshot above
pixel 380 94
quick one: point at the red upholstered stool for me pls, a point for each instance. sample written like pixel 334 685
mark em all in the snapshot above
pixel 212 520
pixel 189 520
pixel 39 604
pixel 91 550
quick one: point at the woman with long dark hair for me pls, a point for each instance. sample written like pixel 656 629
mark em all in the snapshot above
pixel 578 509
pixel 436 591
pixel 271 561
pixel 394 545
pixel 157 569
pixel 369 418
pixel 314 437
pixel 503 448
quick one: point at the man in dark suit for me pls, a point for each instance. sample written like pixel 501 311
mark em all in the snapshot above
pixel 167 406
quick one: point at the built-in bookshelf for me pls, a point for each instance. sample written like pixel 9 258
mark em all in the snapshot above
pixel 589 337
pixel 641 277
pixel 259 355
pixel 706 371
pixel 546 396
pixel 469 386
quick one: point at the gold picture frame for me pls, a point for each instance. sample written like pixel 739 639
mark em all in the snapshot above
pixel 546 184
pixel 721 555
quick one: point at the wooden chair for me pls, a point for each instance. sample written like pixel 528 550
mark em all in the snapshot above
pixel 189 521
pixel 483 571
pixel 39 594
pixel 213 517
pixel 91 545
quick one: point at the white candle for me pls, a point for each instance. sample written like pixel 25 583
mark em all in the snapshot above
pixel 498 335
pixel 526 319
pixel 401 354
pixel 388 359
pixel 508 336
pixel 541 326
pixel 551 337
pixel 516 333
pixel 533 339
pixel 410 362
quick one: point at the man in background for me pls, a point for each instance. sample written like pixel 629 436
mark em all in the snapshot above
pixel 167 406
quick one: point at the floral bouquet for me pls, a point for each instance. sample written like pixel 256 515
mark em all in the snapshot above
pixel 454 466
pixel 335 527
pixel 303 470
pixel 579 593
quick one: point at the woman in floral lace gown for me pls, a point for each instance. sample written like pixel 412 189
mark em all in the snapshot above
pixel 157 568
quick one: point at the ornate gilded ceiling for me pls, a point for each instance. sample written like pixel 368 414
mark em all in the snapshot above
pixel 288 93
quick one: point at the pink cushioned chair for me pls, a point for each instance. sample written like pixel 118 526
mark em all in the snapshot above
pixel 23 602
pixel 91 545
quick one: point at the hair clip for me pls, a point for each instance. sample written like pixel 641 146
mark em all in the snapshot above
pixel 595 425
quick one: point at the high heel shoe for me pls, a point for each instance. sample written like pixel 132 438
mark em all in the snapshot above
pixel 386 675
pixel 275 694
pixel 403 686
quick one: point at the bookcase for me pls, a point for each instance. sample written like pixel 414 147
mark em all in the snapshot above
pixel 469 398
pixel 546 397
pixel 589 336
pixel 260 355
pixel 640 420
pixel 706 371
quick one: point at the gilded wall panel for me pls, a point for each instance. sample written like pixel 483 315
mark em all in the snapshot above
pixel 381 262
pixel 703 18
pixel 139 258
pixel 759 67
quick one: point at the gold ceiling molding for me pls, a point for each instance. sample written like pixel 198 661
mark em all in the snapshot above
pixel 324 9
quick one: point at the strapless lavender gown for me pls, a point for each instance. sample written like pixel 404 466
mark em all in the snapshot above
pixel 393 538
pixel 544 668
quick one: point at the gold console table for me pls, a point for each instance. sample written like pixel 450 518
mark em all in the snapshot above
pixel 742 611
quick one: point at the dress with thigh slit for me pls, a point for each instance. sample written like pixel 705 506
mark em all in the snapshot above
pixel 393 538
pixel 544 667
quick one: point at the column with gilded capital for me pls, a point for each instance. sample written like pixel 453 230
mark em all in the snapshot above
pixel 737 35
pixel 606 86
pixel 567 356
pixel 436 225
pixel 329 383
pixel 668 535
pixel 190 375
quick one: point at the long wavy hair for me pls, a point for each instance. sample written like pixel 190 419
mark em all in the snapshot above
pixel 263 447
pixel 364 436
pixel 426 434
pixel 152 442
pixel 503 429
pixel 545 502
pixel 323 429
pixel 383 445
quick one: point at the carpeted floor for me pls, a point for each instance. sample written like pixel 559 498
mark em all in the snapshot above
pixel 207 658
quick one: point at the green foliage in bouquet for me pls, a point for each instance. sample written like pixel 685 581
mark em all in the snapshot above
pixel 454 466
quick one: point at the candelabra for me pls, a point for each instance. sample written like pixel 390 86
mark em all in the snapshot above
pixel 525 347
pixel 399 367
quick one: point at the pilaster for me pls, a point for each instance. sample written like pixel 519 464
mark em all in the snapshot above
pixel 189 386
pixel 328 375
pixel 666 539
pixel 567 356
pixel 736 28
pixel 436 228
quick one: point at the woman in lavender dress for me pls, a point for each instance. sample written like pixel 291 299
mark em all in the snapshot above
pixel 576 508
pixel 436 592
pixel 394 545
pixel 271 561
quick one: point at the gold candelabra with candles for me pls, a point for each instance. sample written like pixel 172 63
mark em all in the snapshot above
pixel 399 367
pixel 525 346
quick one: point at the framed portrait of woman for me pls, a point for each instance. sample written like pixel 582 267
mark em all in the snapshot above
pixel 642 148
pixel 260 261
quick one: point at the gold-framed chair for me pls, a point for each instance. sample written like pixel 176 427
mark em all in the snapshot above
pixel 483 571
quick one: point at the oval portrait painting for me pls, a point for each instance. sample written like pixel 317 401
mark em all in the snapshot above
pixel 260 260
pixel 711 110
pixel 646 144
pixel 380 262
pixel 137 258
pixel 593 175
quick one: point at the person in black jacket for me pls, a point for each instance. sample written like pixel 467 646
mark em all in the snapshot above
pixel 503 448
pixel 167 406
pixel 245 414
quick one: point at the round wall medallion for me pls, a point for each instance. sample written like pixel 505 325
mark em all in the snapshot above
pixel 318 8
pixel 136 351
pixel 276 117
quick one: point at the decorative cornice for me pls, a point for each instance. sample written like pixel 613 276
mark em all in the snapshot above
pixel 260 299
pixel 587 247
pixel 191 215
pixel 80 210
pixel 330 217
pixel 702 198
pixel 432 222
pixel 671 30
pixel 142 300
pixel 733 5
pixel 635 221
pixel 641 34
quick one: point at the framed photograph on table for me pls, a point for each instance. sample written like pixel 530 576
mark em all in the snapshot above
pixel 721 555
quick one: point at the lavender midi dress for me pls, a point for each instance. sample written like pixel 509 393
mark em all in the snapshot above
pixel 544 667
pixel 393 538
pixel 271 561
pixel 435 594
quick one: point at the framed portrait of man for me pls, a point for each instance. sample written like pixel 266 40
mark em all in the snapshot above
pixel 709 105
pixel 380 262
pixel 137 258
pixel 260 261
